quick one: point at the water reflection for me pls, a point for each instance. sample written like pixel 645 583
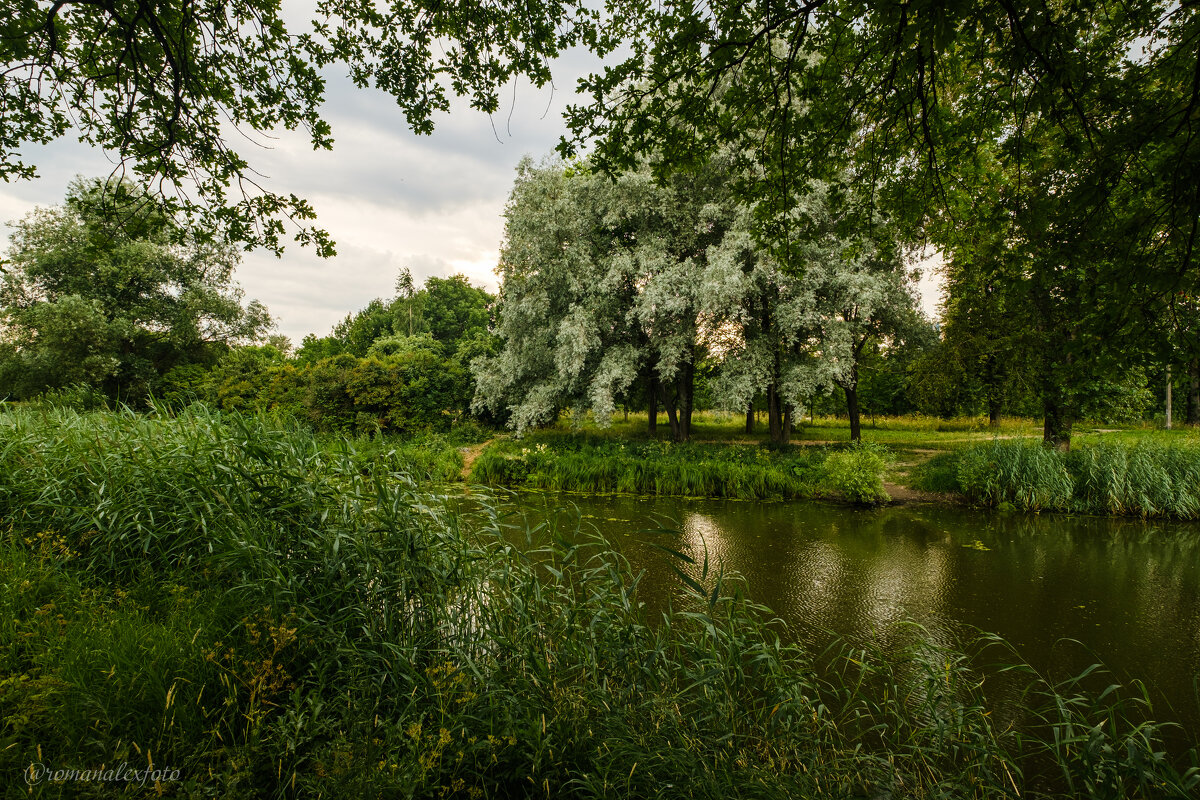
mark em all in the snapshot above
pixel 1127 591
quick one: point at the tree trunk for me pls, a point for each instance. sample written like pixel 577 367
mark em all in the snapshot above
pixel 669 402
pixel 851 390
pixel 684 382
pixel 787 423
pixel 774 417
pixel 673 421
pixel 1058 405
pixel 993 378
pixel 750 418
pixel 1193 397
pixel 1169 386
pixel 1056 432
pixel 652 406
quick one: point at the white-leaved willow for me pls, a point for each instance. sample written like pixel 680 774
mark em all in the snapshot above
pixel 616 291
pixel 599 300
pixel 795 308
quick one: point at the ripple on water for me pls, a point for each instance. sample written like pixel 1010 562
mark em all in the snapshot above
pixel 1125 592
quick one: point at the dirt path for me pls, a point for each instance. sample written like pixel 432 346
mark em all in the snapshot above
pixel 469 454
pixel 900 471
pixel 903 494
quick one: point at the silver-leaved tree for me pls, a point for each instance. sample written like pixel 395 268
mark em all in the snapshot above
pixel 620 289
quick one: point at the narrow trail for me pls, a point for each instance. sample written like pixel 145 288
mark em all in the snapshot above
pixel 903 494
pixel 900 471
pixel 470 453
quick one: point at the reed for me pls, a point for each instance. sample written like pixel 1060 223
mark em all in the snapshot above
pixel 1028 476
pixel 606 464
pixel 237 600
pixel 1146 479
pixel 426 457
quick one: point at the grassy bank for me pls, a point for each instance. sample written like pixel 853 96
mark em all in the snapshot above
pixel 1134 469
pixel 428 456
pixel 904 431
pixel 608 463
pixel 898 433
pixel 231 599
pixel 1147 478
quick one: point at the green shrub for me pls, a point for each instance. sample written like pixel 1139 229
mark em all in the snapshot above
pixel 398 389
pixel 857 473
pixel 469 431
pixel 183 384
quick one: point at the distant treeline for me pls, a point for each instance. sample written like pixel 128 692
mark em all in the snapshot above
pixel 397 366
pixel 102 318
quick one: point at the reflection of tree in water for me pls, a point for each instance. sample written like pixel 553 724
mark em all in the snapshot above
pixel 1128 590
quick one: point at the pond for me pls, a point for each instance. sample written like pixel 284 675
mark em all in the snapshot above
pixel 1066 592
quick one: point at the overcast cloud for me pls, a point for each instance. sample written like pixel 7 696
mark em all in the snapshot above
pixel 390 199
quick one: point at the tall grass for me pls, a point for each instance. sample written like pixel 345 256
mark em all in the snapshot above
pixel 230 598
pixel 184 580
pixel 432 457
pixel 600 465
pixel 1146 479
pixel 606 464
pixel 1028 476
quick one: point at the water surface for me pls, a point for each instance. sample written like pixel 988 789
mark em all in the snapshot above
pixel 1065 591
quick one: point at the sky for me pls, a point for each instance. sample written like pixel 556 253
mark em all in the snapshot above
pixel 390 198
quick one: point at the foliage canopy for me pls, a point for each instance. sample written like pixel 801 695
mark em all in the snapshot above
pixel 159 85
pixel 91 296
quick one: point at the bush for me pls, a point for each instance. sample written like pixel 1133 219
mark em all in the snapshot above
pixel 397 391
pixel 857 473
